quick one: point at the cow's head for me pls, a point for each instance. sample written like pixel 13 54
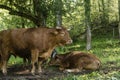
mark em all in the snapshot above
pixel 62 36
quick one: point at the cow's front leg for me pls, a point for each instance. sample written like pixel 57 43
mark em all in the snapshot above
pixel 34 56
pixel 4 59
pixel 4 67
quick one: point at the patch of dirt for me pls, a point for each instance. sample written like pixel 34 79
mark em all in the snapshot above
pixel 20 72
pixel 109 67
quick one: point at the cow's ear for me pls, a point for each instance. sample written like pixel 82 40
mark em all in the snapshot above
pixel 57 27
pixel 54 32
pixel 62 33
pixel 60 30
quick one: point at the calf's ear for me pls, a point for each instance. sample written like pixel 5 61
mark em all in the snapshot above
pixel 59 57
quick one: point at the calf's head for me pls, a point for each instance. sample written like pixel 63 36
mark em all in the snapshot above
pixel 56 59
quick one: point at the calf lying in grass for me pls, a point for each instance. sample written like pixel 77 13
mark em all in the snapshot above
pixel 75 61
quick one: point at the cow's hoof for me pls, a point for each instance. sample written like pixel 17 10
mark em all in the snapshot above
pixel 5 73
pixel 32 72
pixel 39 71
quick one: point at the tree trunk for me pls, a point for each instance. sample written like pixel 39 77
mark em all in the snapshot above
pixel 119 17
pixel 58 18
pixel 88 46
pixel 87 23
pixel 22 22
pixel 58 12
pixel 108 7
pixel 40 15
pixel 103 11
pixel 119 29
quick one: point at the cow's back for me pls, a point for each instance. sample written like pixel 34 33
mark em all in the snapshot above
pixel 27 38
pixel 37 37
pixel 17 38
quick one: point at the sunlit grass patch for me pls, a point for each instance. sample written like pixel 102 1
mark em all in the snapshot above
pixel 15 60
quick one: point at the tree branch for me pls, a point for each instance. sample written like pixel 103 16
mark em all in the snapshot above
pixel 21 8
pixel 22 14
pixel 5 7
pixel 18 13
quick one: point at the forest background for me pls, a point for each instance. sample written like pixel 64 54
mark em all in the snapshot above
pixel 94 27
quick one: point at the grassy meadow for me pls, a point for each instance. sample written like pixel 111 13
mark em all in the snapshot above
pixel 107 49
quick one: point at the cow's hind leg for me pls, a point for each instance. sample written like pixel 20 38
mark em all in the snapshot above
pixel 34 56
pixel 40 61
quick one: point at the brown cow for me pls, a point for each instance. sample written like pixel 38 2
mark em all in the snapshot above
pixel 75 61
pixel 38 42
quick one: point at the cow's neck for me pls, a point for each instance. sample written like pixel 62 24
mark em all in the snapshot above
pixel 46 54
pixel 51 44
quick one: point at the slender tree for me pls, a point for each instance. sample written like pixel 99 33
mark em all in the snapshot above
pixel 119 17
pixel 87 23
pixel 58 5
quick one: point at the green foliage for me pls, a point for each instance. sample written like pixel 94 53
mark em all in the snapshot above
pixel 9 21
pixel 73 17
pixel 104 17
pixel 15 60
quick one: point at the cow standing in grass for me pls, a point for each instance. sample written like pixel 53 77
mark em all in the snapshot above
pixel 75 61
pixel 37 42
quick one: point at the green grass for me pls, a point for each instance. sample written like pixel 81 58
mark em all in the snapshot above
pixel 108 50
pixel 15 60
pixel 95 76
